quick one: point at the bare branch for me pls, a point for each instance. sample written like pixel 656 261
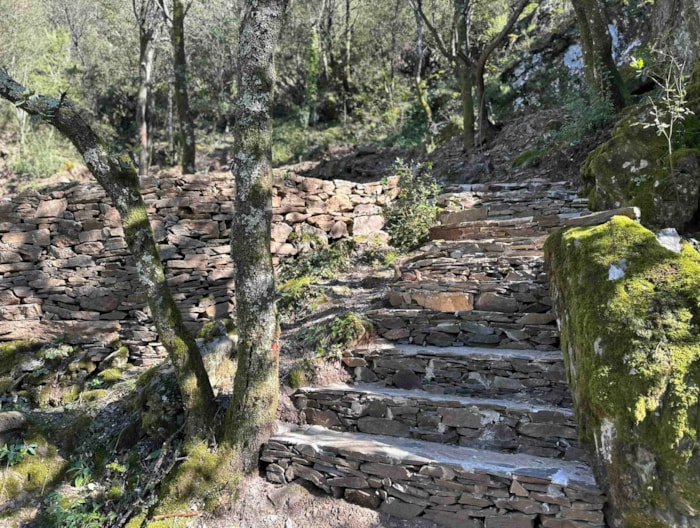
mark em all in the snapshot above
pixel 418 7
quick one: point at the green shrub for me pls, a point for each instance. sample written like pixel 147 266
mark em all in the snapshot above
pixel 333 336
pixel 411 216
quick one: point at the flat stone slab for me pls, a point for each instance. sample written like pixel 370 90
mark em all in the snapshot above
pixel 449 484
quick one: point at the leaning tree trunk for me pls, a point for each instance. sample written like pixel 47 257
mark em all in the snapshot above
pixel 601 72
pixel 118 177
pixel 250 417
pixel 181 92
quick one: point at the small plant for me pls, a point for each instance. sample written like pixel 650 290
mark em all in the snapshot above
pixel 79 513
pixel 585 116
pixel 15 453
pixel 332 337
pixel 80 472
pixel 57 349
pixel 411 216
pixel 671 108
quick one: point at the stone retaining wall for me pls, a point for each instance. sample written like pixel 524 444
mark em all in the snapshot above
pixel 64 262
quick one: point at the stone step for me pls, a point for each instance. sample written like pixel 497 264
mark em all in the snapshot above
pixel 528 226
pixel 520 265
pixel 424 326
pixel 488 294
pixel 450 485
pixel 468 371
pixel 518 206
pixel 460 248
pixel 507 425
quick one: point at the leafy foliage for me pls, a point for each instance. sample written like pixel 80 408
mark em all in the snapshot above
pixel 411 216
pixel 13 454
pixel 79 513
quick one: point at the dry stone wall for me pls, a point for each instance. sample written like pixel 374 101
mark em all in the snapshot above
pixel 66 270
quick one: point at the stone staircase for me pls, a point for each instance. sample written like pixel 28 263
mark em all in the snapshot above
pixel 460 412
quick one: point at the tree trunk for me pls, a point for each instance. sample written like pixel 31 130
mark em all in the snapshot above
pixel 465 74
pixel 250 417
pixel 418 71
pixel 118 177
pixel 466 85
pixel 147 54
pixel 602 75
pixel 181 90
pixel 346 60
pixel 482 119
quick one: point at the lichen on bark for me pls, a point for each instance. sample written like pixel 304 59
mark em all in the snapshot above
pixel 251 414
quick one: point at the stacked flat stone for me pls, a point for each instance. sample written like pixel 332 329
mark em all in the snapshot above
pixel 477 436
pixel 64 261
pixel 453 486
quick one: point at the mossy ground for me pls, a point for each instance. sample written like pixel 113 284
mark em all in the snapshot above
pixel 633 353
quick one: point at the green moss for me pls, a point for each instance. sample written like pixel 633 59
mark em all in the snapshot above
pixel 136 522
pixel 633 357
pixel 72 394
pixel 94 395
pixel 12 352
pixel 111 375
pixel 115 492
pixel 297 377
pixel 6 383
pixel 633 169
pixel 205 477
pixel 35 473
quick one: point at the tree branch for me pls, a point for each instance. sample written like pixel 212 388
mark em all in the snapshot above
pixel 418 7
pixel 491 46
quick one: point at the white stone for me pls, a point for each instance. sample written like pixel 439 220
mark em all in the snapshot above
pixel 670 239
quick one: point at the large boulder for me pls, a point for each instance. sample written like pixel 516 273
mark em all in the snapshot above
pixel 634 167
pixel 629 312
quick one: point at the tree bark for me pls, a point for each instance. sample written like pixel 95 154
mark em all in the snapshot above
pixel 147 55
pixel 250 417
pixel 181 89
pixel 147 22
pixel 418 71
pixel 465 73
pixel 118 177
pixel 602 75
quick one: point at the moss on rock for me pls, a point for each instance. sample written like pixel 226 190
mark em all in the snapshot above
pixel 632 169
pixel 630 319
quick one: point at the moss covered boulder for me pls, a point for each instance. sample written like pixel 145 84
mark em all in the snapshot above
pixel 629 311
pixel 633 168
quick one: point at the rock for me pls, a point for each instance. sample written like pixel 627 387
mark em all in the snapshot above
pixel 629 446
pixel 670 239
pixel 12 421
pixel 406 379
pixel 367 225
pixel 443 301
pixel 625 172
pixel 325 418
pixel 456 417
pixel 363 498
pixel 51 208
pixel 493 302
pixel 382 426
pixel 400 509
